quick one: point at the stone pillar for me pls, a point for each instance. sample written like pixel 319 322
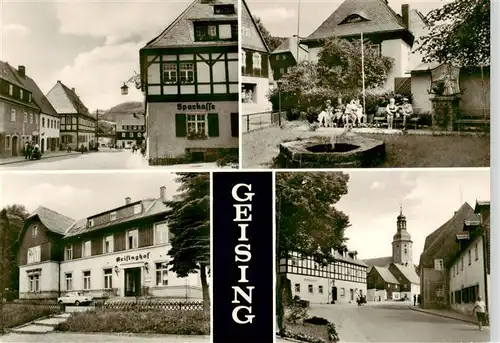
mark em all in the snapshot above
pixel 445 112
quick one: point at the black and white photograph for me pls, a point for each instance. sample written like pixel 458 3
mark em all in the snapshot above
pixel 382 257
pixel 88 256
pixel 119 85
pixel 365 83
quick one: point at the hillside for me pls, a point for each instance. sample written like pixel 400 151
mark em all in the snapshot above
pixel 125 107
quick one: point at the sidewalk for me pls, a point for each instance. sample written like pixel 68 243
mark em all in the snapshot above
pixel 47 154
pixel 447 314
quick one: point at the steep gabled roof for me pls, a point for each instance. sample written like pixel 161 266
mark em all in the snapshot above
pixel 379 261
pixel 61 96
pixel 289 45
pixel 247 19
pixel 38 97
pixel 386 275
pixel 7 73
pixel 52 220
pixel 180 33
pixel 409 272
pixel 10 74
pixel 151 207
pixel 442 243
pixel 377 16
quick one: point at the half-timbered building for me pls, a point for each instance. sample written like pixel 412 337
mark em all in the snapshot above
pixel 190 78
pixel 120 252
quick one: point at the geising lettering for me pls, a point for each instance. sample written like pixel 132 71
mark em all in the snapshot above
pixel 242 314
pixel 196 107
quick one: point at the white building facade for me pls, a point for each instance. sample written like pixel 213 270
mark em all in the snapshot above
pixel 341 281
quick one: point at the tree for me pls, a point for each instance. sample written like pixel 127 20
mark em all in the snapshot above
pixel 189 222
pixel 105 128
pixel 459 34
pixel 271 41
pixel 307 221
pixel 340 66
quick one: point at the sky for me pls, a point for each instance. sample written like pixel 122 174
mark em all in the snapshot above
pixel 280 16
pixel 79 195
pixel 429 199
pixel 92 46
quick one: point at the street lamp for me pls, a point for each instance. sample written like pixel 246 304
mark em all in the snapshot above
pixel 124 89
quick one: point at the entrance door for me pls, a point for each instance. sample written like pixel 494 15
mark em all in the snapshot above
pixel 132 282
pixel 42 146
pixel 352 294
pixel 15 146
pixel 334 293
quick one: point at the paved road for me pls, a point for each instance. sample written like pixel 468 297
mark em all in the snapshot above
pixel 97 338
pixel 395 322
pixel 107 159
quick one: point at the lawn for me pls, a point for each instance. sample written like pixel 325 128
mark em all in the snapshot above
pixel 158 322
pixel 260 147
pixel 17 314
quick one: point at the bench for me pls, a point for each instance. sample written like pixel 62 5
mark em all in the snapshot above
pixel 383 121
pixel 482 123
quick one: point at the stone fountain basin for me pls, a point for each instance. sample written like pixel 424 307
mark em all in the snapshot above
pixel 351 151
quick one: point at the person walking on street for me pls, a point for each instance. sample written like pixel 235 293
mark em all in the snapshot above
pixel 26 149
pixel 419 299
pixel 480 309
pixel 414 300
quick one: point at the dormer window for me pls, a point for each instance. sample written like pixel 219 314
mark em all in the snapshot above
pixel 353 18
pixel 91 222
pixel 137 209
pixel 29 97
pixel 11 90
pixel 243 58
pixel 215 31
pixel 21 94
pixel 112 216
pixel 205 32
pixel 224 9
pixel 257 61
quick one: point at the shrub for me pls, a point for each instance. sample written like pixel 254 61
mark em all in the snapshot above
pixel 15 314
pixel 379 97
pixel 296 310
pixel 228 159
pixel 316 321
pixel 172 322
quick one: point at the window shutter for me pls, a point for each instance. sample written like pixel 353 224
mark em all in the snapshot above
pixel 249 62
pixel 265 65
pixel 180 125
pixel 213 125
pixel 235 127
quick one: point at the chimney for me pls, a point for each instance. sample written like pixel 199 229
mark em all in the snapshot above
pixel 128 200
pixel 22 71
pixel 405 13
pixel 73 89
pixel 162 193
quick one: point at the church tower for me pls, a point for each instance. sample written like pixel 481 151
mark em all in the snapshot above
pixel 402 243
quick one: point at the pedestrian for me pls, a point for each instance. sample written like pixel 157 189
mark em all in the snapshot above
pixel 414 300
pixel 480 309
pixel 30 150
pixel 419 300
pixel 26 148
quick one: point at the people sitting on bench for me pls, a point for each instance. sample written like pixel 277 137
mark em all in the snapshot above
pixel 392 110
pixel 339 112
pixel 406 111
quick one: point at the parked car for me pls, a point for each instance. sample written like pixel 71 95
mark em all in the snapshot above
pixel 74 298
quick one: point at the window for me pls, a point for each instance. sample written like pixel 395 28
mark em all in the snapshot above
pixel 11 90
pixel 320 289
pixel 132 239
pixel 169 73
pixel 34 282
pixel 310 288
pixel 107 245
pixel 438 264
pixel 108 278
pixel 161 233
pixel 282 71
pixel 342 292
pixel 112 216
pixel 69 281
pixel 36 118
pixel 225 31
pixel 297 288
pixel 462 264
pixel 205 32
pixel 186 71
pixel 162 274
pixel 25 116
pixel 13 114
pixel 256 60
pixel 196 123
pixel 86 280
pixel 243 58
pixel 34 231
pixel 137 208
pixel 21 94
pixel 68 253
pixel 476 252
pixel 124 134
pixel 469 253
pixel 91 222
pixel 86 249
pixel 43 122
pixel 30 117
pixel 34 254
pixel 373 49
pixel 440 291
pixel 29 97
pixel 234 31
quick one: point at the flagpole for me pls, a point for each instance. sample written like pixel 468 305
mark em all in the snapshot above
pixel 363 73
